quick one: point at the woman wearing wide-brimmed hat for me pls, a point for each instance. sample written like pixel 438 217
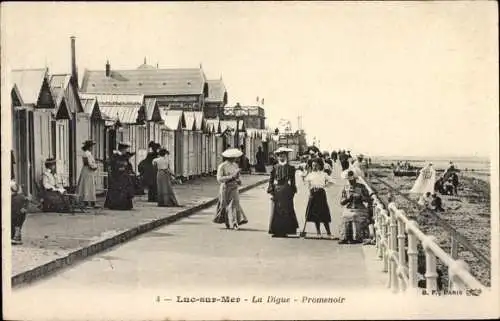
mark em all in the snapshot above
pixel 165 192
pixel 54 194
pixel 86 182
pixel 121 186
pixel 229 210
pixel 355 221
pixel 282 189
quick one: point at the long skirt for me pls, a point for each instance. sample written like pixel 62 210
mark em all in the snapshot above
pixel 229 210
pixel 260 167
pixel 283 217
pixel 55 202
pixel 317 207
pixel 86 185
pixel 120 192
pixel 354 225
pixel 165 192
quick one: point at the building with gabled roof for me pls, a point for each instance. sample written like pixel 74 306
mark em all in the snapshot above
pixel 173 88
pixel 216 100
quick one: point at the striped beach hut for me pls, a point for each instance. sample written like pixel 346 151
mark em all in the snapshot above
pixel 129 122
pixel 32 129
pixel 172 138
pixel 153 118
pixel 97 131
pixel 215 140
pixel 189 145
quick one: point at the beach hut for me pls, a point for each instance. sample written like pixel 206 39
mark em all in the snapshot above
pixel 213 139
pixel 33 132
pixel 128 123
pixel 70 132
pixel 200 142
pixel 153 119
pixel 97 131
pixel 172 138
pixel 189 145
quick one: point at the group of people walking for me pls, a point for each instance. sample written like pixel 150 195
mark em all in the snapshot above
pixel 282 187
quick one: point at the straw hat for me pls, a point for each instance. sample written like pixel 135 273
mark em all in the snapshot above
pixel 283 150
pixel 232 153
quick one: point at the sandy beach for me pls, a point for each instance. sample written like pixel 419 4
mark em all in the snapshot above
pixel 469 213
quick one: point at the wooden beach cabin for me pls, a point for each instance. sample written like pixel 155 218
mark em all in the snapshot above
pixel 97 130
pixel 70 134
pixel 32 131
pixel 214 139
pixel 128 115
pixel 172 138
pixel 201 129
pixel 153 118
pixel 190 156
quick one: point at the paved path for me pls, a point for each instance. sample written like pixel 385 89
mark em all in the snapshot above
pixel 195 253
pixel 49 236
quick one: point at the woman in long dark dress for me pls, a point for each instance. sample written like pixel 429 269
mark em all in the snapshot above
pixel 318 210
pixel 148 172
pixel 260 167
pixel 283 189
pixel 121 189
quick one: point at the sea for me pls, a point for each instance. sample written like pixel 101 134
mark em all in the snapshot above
pixel 478 164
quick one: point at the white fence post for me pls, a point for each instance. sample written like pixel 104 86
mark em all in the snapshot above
pixel 412 255
pixel 430 265
pixel 392 254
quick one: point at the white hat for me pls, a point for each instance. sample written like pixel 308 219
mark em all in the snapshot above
pixel 283 150
pixel 232 153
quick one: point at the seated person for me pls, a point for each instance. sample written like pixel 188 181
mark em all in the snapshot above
pixel 436 203
pixel 448 187
pixel 425 200
pixel 54 194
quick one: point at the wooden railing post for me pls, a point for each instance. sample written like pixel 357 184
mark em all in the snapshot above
pixel 378 230
pixel 454 255
pixel 392 252
pixel 430 266
pixel 412 255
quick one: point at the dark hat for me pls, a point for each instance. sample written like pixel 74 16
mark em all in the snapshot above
pixel 152 144
pixel 123 145
pixel 88 143
pixel 50 161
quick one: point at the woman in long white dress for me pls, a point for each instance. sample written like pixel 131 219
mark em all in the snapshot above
pixel 425 181
pixel 87 179
pixel 164 192
pixel 229 210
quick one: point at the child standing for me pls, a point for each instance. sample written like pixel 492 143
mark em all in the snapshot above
pixel 18 212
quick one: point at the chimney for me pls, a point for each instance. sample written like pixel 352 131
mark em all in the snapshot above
pixel 108 69
pixel 74 72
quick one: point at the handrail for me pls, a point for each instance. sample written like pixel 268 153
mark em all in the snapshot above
pixel 446 226
pixel 392 229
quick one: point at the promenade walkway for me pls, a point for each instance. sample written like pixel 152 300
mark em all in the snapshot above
pixel 50 236
pixel 194 252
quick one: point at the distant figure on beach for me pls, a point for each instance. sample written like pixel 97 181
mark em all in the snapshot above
pixel 425 181
pixel 437 203
pixel 260 167
pixel 425 200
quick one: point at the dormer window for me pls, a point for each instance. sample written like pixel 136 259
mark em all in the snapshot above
pixel 140 84
pixel 164 83
pixel 114 85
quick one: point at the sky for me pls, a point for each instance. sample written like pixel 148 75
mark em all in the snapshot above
pixel 387 78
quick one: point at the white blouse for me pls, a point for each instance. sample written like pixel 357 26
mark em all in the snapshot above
pixel 225 171
pixel 162 163
pixel 90 159
pixel 318 179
